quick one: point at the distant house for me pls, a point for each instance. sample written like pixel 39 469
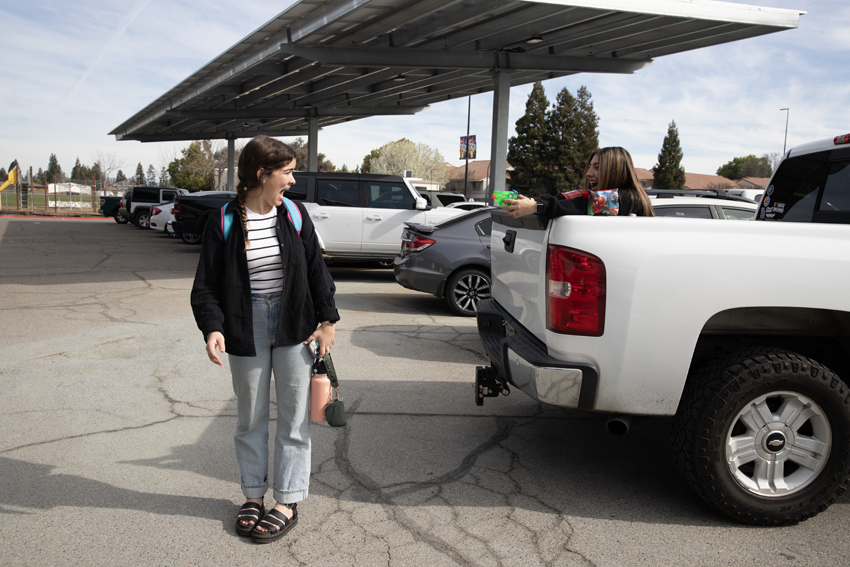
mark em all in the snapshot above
pixel 692 181
pixel 754 182
pixel 478 179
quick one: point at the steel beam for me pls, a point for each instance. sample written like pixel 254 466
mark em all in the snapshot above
pixel 499 136
pixel 304 112
pixel 444 59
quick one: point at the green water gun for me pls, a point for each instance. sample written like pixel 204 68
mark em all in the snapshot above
pixel 500 196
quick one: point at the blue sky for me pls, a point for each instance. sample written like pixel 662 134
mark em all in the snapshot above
pixel 70 75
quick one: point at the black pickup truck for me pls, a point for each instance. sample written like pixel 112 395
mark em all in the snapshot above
pixel 192 211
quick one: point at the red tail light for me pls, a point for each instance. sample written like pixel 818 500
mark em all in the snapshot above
pixel 102 201
pixel 575 302
pixel 121 203
pixel 155 211
pixel 416 244
pixel 176 209
pixel 845 139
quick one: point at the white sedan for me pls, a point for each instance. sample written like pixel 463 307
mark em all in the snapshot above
pixel 161 217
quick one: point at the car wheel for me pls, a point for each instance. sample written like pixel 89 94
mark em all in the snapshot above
pixel 465 289
pixel 764 436
pixel 190 237
pixel 143 220
pixel 119 218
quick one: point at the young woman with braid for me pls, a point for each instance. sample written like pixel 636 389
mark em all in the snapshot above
pixel 263 291
pixel 607 168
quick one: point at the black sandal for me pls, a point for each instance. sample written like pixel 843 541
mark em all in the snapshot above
pixel 277 525
pixel 250 511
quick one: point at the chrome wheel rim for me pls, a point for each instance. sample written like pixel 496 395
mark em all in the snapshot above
pixel 778 444
pixel 469 290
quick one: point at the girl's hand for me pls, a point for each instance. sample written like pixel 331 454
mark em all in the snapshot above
pixel 521 206
pixel 215 340
pixel 325 336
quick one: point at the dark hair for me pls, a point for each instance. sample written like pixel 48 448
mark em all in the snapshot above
pixel 261 154
pixel 616 171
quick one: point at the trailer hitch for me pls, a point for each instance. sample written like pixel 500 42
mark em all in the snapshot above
pixel 488 384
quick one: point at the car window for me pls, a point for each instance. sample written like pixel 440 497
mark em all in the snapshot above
pixel 145 195
pixel 836 190
pixel 794 188
pixel 168 196
pixel 484 227
pixel 382 195
pixel 448 199
pixel 684 212
pixel 738 214
pixel 298 190
pixel 336 193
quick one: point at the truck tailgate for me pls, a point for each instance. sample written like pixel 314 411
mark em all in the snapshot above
pixel 518 267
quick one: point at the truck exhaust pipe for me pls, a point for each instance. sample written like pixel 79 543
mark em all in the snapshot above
pixel 618 425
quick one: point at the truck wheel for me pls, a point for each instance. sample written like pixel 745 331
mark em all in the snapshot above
pixel 119 218
pixel 143 220
pixel 764 436
pixel 465 289
pixel 190 237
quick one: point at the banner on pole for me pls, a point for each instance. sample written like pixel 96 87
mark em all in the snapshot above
pixel 468 148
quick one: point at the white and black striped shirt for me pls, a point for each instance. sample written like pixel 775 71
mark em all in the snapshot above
pixel 264 266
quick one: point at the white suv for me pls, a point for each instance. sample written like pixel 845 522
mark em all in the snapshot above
pixel 361 216
pixel 811 184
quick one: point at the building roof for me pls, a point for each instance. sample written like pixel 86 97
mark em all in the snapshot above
pixel 341 60
pixel 703 181
pixel 755 182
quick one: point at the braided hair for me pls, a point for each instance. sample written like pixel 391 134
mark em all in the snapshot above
pixel 261 156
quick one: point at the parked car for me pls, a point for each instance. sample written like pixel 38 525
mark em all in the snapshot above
pixel 160 217
pixel 361 216
pixel 137 202
pixel 450 259
pixel 467 206
pixel 110 206
pixel 811 184
pixel 701 204
pixel 442 198
pixel 192 211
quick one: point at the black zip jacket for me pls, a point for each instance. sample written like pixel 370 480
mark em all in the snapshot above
pixel 221 294
pixel 559 206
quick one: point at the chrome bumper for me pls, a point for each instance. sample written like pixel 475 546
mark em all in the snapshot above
pixel 521 359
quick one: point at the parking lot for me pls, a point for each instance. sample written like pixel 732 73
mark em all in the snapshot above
pixel 117 436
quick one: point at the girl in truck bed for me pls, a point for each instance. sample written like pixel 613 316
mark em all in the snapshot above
pixel 607 169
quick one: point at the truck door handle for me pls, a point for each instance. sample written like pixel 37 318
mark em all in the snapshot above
pixel 509 240
pixel 320 215
pixel 374 217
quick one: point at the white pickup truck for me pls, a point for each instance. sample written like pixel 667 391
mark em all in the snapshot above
pixel 741 330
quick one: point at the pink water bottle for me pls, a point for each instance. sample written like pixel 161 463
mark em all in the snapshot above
pixel 320 392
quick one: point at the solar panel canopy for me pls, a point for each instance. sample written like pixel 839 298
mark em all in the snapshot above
pixel 324 62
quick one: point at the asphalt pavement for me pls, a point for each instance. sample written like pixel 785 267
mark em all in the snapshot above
pixel 117 437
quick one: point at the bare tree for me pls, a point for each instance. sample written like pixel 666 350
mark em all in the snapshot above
pixel 773 159
pixel 107 161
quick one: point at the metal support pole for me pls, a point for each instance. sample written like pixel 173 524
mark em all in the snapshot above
pixel 231 166
pixel 313 143
pixel 466 150
pixel 787 113
pixel 499 138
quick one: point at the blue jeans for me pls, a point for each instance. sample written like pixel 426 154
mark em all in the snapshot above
pixel 251 383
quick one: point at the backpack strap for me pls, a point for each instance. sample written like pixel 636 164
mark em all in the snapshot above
pixel 294 214
pixel 226 221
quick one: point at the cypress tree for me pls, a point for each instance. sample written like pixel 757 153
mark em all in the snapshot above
pixel 668 172
pixel 571 136
pixel 527 150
